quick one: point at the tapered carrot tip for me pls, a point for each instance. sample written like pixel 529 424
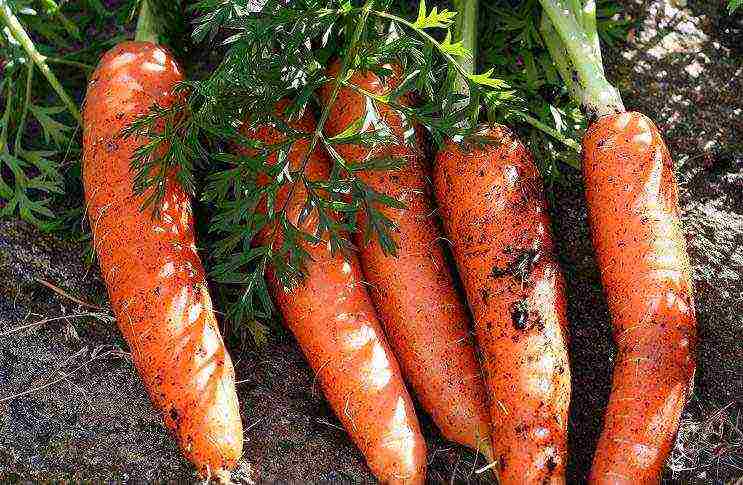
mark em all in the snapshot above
pixel 401 455
pixel 209 438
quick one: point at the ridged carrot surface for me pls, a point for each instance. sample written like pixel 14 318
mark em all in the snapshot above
pixel 421 312
pixel 494 211
pixel 634 215
pixel 154 276
pixel 334 321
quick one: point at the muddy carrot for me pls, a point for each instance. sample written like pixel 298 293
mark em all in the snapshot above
pixel 494 210
pixel 333 319
pixel 154 276
pixel 413 291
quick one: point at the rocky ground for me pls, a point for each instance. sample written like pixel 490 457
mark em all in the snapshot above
pixel 72 407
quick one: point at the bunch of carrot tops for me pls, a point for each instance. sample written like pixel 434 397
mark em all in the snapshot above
pixel 330 216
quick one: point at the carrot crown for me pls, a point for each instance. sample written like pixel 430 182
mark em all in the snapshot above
pixel 465 31
pixel 570 32
pixel 146 24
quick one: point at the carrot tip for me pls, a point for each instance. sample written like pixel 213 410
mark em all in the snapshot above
pixel 486 450
pixel 223 476
pixel 486 467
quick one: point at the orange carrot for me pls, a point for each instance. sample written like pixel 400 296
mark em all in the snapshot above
pixel 641 251
pixel 494 210
pixel 633 210
pixel 333 319
pixel 154 276
pixel 413 291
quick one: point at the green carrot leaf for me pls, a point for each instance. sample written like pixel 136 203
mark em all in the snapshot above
pixel 434 18
pixel 53 129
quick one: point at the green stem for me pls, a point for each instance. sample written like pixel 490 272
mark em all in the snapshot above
pixel 589 23
pixel 598 96
pixel 465 29
pixel 146 24
pixel 67 62
pixel 568 142
pixel 20 35
pixel 6 118
pixel 24 114
pixel 559 56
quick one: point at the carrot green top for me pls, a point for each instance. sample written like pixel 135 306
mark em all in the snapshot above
pixel 146 24
pixel 569 30
pixel 465 30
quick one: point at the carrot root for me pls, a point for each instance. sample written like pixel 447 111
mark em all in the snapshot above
pixel 335 323
pixel 155 279
pixel 413 291
pixel 494 210
pixel 641 250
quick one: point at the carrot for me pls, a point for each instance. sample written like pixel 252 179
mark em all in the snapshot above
pixel 334 321
pixel 494 211
pixel 641 252
pixel 413 291
pixel 154 277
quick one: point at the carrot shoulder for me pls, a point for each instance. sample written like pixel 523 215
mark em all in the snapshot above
pixel 494 210
pixel 413 291
pixel 334 321
pixel 634 215
pixel 154 276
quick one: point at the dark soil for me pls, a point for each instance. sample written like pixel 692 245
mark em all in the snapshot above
pixel 97 423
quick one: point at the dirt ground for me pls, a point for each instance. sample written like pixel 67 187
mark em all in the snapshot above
pixel 72 407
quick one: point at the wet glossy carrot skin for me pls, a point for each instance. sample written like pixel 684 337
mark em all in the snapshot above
pixel 421 312
pixel 333 319
pixel 633 209
pixel 154 276
pixel 494 211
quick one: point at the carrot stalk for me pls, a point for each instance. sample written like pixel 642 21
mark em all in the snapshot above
pixel 413 290
pixel 146 28
pixel 596 94
pixel 155 279
pixel 19 34
pixel 465 30
pixel 633 211
pixel 334 321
